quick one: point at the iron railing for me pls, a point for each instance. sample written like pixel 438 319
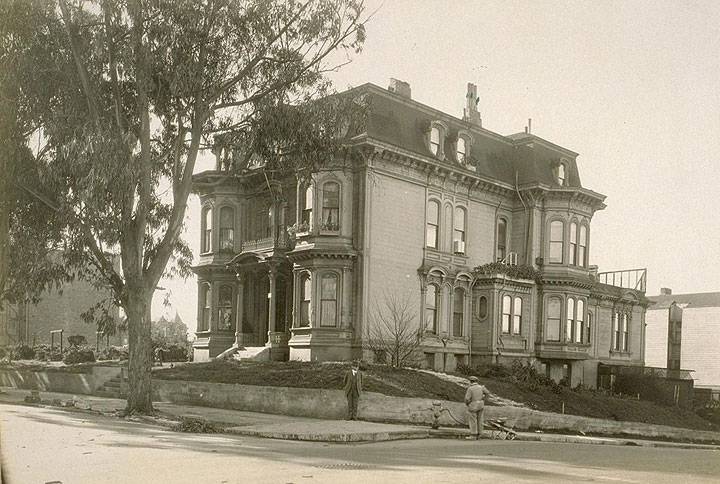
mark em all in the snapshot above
pixel 635 279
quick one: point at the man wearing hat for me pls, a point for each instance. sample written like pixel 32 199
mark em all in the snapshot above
pixel 475 401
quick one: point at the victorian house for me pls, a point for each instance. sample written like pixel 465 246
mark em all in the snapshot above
pixel 297 269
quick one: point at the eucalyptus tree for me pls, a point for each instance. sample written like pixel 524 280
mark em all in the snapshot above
pixel 121 97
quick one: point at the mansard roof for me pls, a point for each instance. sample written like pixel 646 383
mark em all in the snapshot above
pixel 404 122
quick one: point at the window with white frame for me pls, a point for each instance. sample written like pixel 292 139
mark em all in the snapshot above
pixel 625 332
pixel 431 308
pixel 557 244
pixel 435 140
pixel 227 229
pixel 447 228
pixel 459 231
pixel 331 206
pixel 517 315
pixel 433 223
pixel 328 299
pixel 206 307
pixel 506 314
pixel 579 323
pixel 552 324
pixel 225 308
pixel 461 152
pixel 588 327
pixel 582 246
pixel 570 319
pixel 572 254
pixel 305 299
pixel 501 236
pixel 621 332
pixel 560 175
pixel 207 224
pixel 307 207
pixel 458 311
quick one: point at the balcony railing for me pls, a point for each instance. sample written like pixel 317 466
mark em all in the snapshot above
pixel 281 241
pixel 628 279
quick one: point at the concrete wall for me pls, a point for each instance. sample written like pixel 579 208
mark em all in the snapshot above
pixel 85 383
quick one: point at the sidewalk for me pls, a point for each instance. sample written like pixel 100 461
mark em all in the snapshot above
pixel 309 429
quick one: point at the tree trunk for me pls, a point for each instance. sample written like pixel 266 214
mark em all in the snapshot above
pixel 140 358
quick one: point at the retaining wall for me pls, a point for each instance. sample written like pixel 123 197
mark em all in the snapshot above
pixel 86 383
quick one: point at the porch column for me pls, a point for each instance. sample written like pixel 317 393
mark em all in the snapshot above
pixel 272 310
pixel 240 308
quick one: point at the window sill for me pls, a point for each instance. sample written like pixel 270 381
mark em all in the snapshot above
pixel 620 353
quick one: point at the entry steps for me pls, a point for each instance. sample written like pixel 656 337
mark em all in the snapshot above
pixel 111 389
pixel 245 353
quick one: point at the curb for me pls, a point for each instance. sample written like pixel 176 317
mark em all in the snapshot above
pixel 355 437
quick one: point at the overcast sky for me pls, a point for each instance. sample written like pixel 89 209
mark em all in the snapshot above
pixel 634 87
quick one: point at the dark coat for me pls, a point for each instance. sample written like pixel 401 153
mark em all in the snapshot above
pixel 352 383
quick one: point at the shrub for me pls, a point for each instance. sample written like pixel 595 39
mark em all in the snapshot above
pixel 648 387
pixel 77 340
pixel 79 354
pixel 175 353
pixel 21 351
pixel 113 353
pixel 485 370
pixel 196 425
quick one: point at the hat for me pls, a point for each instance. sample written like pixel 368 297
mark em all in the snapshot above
pixel 474 379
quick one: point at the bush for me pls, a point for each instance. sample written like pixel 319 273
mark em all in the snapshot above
pixel 485 370
pixel 648 387
pixel 21 351
pixel 113 353
pixel 175 353
pixel 77 340
pixel 79 354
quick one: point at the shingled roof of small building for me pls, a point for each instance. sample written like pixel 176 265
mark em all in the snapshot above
pixel 693 300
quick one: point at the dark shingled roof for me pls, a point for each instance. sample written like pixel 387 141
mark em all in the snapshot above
pixel 696 300
pixel 403 122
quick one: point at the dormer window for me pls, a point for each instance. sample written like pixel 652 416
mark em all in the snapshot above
pixel 461 150
pixel 435 140
pixel 561 174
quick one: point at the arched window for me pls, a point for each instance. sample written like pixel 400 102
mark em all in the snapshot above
pixel 307 207
pixel 506 314
pixel 553 319
pixel 458 311
pixel 572 255
pixel 459 231
pixel 582 246
pixel 206 307
pixel 331 206
pixel 482 307
pixel 556 241
pixel 625 332
pixel 328 300
pixel 206 245
pixel 517 316
pixel 570 316
pixel 579 324
pixel 461 150
pixel 447 228
pixel 227 228
pixel 561 174
pixel 225 308
pixel 431 308
pixel 305 299
pixel 433 222
pixel 501 237
pixel 588 327
pixel 435 140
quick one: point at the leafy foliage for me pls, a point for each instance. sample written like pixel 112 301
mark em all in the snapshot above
pixel 79 354
pixel 128 96
pixel 514 272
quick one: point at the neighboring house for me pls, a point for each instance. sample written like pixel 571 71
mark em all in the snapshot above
pixel 57 309
pixel 429 198
pixel 170 331
pixel 699 338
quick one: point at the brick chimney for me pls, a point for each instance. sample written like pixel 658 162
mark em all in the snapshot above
pixel 665 291
pixel 400 87
pixel 471 113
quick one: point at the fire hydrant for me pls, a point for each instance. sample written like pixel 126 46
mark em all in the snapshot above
pixel 436 412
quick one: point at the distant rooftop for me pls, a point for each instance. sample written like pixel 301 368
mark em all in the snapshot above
pixel 695 300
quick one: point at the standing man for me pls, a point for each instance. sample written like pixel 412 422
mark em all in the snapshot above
pixel 352 385
pixel 475 401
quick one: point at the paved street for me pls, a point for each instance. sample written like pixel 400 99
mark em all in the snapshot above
pixel 42 445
